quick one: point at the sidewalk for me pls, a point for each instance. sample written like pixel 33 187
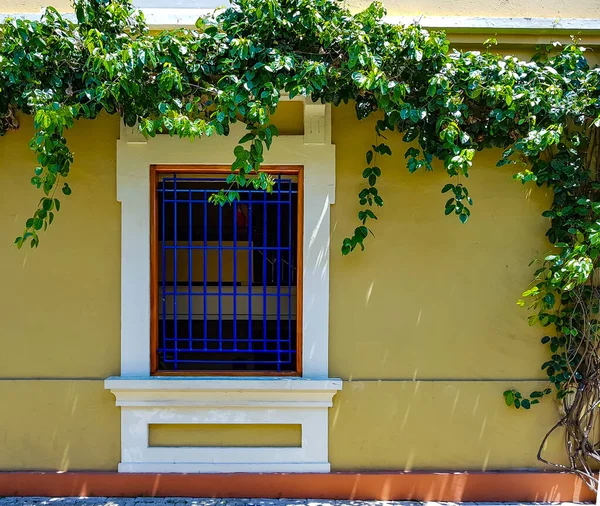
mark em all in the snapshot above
pixel 187 501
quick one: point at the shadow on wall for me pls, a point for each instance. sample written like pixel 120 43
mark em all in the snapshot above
pixel 60 318
pixel 431 298
pixel 424 325
pixel 58 425
pixel 437 425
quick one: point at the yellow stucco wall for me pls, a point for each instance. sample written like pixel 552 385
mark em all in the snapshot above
pixel 61 312
pixel 223 435
pixel 58 424
pixel 433 300
pixel 453 313
pixel 436 425
pixel 493 8
pixel 424 326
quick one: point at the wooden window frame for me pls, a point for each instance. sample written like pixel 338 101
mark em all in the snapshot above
pixel 155 171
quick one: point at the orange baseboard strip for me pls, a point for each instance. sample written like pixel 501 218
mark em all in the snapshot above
pixel 453 487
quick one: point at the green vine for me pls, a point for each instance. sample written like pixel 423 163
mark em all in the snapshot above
pixel 447 105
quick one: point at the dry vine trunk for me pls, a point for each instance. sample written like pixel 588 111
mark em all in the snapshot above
pixel 580 409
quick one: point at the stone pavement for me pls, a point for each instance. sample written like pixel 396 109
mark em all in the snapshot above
pixel 187 501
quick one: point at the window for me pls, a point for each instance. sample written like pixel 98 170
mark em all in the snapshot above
pixel 169 379
pixel 225 285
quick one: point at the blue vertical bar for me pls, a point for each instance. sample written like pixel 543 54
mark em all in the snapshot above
pixel 264 269
pixel 250 274
pixel 278 265
pixel 175 277
pixel 164 272
pixel 220 301
pixel 189 295
pixel 204 253
pixel 289 336
pixel 235 275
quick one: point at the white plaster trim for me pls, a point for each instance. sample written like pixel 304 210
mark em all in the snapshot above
pixel 500 24
pixel 218 392
pixel 163 19
pixel 224 467
pixel 199 400
pixel 179 4
pixel 287 401
pixel 135 154
pixel 167 17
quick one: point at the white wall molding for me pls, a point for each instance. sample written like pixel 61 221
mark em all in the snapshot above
pixel 135 154
pixel 200 400
pixel 197 401
pixel 267 392
pixel 466 24
pixel 181 15
pixel 317 129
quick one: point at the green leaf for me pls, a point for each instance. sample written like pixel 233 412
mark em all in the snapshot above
pixel 240 152
pixel 247 137
pixel 359 78
pixel 346 246
pixel 258 146
pixel 47 204
pixel 411 135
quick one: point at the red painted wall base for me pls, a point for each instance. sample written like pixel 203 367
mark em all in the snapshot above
pixel 500 486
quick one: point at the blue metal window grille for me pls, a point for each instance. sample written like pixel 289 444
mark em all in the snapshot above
pixel 227 293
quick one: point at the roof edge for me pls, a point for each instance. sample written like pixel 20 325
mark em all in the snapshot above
pixel 165 18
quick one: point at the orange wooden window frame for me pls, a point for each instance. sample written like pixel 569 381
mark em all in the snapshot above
pixel 155 171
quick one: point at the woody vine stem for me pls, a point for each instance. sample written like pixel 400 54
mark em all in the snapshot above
pixel 544 114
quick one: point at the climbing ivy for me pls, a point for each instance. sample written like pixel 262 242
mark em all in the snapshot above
pixel 446 105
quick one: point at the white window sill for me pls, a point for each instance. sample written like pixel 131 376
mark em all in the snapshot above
pixel 222 392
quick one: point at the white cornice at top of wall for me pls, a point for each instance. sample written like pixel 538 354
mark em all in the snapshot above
pixel 184 13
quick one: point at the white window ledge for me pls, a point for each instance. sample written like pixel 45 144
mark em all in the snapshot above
pixel 216 391
pixel 201 400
